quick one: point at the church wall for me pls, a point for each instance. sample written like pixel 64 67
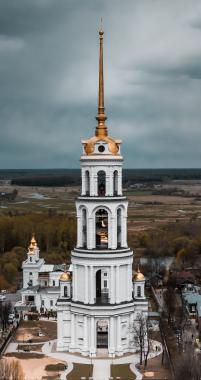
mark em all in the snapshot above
pixel 80 283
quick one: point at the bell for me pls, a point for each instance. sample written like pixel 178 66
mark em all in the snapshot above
pixel 103 224
pixel 103 237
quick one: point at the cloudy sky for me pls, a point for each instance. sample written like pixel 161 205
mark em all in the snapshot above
pixel 49 80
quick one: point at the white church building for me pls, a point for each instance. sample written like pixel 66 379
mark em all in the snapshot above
pixel 99 300
pixel 41 283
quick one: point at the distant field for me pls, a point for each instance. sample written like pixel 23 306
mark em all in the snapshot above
pixel 145 209
pixel 63 177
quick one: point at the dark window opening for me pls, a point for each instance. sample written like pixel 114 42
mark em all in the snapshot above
pixel 84 228
pixel 87 183
pixel 101 229
pixel 101 183
pixel 101 148
pixel 65 291
pixel 139 291
pixel 119 230
pixel 115 182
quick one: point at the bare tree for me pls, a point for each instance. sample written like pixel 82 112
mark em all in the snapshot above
pixel 140 336
pixel 170 302
pixel 189 366
pixel 11 370
pixel 5 310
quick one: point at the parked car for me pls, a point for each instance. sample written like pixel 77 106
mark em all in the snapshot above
pixel 11 318
pixel 2 298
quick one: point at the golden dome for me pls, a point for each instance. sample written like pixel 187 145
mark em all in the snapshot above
pixel 33 244
pixel 66 276
pixel 89 145
pixel 138 276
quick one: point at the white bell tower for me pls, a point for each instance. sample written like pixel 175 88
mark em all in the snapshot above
pixel 102 305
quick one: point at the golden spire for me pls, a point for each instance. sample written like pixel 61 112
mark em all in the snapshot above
pixel 101 129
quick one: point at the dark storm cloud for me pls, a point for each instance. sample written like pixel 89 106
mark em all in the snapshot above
pixel 49 76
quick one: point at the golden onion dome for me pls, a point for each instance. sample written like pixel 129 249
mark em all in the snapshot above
pixel 138 276
pixel 33 244
pixel 89 145
pixel 66 276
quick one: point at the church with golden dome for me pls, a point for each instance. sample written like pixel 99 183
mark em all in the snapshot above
pixel 100 300
pixel 97 299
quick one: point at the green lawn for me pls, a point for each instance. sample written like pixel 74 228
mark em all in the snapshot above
pixel 123 371
pixel 79 370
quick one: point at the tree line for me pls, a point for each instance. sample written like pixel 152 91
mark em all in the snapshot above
pixel 55 235
pixel 179 239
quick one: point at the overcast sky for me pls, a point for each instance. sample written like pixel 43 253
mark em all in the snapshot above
pixel 49 80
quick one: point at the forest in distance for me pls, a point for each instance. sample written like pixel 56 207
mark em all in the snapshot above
pixel 56 237
pixel 72 177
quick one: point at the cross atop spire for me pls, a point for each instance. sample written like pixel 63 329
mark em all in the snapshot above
pixel 101 129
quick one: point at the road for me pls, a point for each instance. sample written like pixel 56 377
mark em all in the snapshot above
pixel 13 297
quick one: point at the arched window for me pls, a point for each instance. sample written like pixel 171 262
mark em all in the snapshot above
pixel 87 183
pixel 119 228
pixel 84 227
pixel 65 291
pixel 101 229
pixel 101 183
pixel 115 182
pixel 138 291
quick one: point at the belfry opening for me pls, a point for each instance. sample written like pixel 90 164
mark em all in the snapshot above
pixel 101 229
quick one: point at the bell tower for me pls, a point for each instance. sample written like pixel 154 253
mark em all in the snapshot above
pixel 102 304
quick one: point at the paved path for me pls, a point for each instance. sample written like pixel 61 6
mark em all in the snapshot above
pixel 101 367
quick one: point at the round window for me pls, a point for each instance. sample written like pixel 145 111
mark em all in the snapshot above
pixel 101 148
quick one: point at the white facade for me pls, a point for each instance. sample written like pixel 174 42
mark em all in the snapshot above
pixel 102 305
pixel 41 284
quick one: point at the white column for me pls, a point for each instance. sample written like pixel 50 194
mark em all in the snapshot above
pixel 113 232
pixel 95 181
pixel 59 328
pixel 111 182
pixel 118 334
pixel 90 233
pixel 92 344
pixel 119 182
pixel 93 187
pixel 91 292
pixel 83 182
pixel 85 333
pixel 107 184
pixel 129 281
pixel 79 231
pixel 111 336
pixel 86 285
pixel 112 285
pixel 117 285
pixel 124 231
pixel 72 331
pixel 75 280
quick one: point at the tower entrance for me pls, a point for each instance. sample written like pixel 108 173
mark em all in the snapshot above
pixel 102 334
